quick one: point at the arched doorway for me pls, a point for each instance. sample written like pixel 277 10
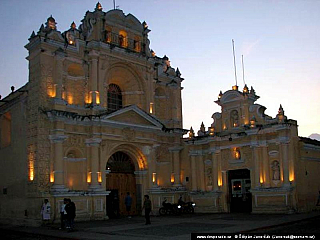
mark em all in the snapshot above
pixel 119 181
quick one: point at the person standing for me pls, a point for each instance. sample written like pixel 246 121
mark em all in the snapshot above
pixel 63 214
pixel 147 208
pixel 71 214
pixel 128 202
pixel 45 212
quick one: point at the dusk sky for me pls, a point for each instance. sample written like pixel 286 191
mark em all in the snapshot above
pixel 280 41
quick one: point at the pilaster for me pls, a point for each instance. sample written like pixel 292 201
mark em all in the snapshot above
pixel 94 145
pixel 193 173
pixel 94 77
pixel 265 157
pixel 58 168
pixel 176 164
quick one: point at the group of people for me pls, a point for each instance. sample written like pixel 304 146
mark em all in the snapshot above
pixel 146 206
pixel 67 213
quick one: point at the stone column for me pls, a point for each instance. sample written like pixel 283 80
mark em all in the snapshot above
pixel 266 166
pixel 285 164
pixel 149 153
pixel 256 165
pixel 193 173
pixel 176 164
pixel 215 171
pixel 94 76
pixel 94 144
pixel 57 141
pixel 202 174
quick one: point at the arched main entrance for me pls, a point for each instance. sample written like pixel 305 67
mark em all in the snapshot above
pixel 119 181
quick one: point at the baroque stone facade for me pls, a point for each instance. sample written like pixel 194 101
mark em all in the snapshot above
pixel 101 115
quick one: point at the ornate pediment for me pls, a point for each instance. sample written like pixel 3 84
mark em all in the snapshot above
pixel 133 116
pixel 231 96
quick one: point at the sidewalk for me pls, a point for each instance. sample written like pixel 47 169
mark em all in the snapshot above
pixel 168 227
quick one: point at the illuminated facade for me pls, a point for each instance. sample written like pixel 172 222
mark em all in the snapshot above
pixel 249 161
pixel 101 115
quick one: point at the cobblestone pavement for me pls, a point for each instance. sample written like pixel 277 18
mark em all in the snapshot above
pixel 170 227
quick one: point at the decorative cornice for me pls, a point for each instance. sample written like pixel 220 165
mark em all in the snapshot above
pixel 175 149
pixel 310 159
pixel 58 138
pixel 311 147
pixel 95 142
pixel 74 159
pixel 141 172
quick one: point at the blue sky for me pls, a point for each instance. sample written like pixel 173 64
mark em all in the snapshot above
pixel 280 41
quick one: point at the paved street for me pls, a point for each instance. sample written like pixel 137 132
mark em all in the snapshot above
pixel 171 227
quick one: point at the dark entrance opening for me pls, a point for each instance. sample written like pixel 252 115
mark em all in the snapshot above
pixel 239 190
pixel 119 181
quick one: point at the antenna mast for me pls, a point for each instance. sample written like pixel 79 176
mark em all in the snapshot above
pixel 244 83
pixel 234 63
pixel 114 4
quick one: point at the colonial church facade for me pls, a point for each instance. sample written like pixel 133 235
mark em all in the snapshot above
pixel 101 115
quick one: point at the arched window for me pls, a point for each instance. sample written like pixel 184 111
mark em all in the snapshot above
pixel 114 97
pixel 120 162
pixel 123 42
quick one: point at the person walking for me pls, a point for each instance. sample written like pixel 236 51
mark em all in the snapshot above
pixel 71 214
pixel 128 202
pixel 147 208
pixel 45 212
pixel 63 214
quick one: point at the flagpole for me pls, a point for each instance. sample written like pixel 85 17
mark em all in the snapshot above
pixel 234 63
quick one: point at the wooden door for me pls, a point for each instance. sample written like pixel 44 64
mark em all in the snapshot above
pixel 122 183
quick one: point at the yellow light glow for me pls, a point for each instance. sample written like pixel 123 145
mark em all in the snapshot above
pixel 64 95
pixel 52 177
pixel 151 108
pixel 219 181
pixel 235 87
pixel 52 91
pixel 70 42
pixel 88 98
pixel 99 177
pixel 70 181
pixel 154 177
pixel 224 127
pixel 291 177
pixel 97 97
pixel 70 99
pixel 172 178
pixel 237 154
pixel 235 125
pixel 31 167
pixel 261 179
pixel 123 41
pixel 89 177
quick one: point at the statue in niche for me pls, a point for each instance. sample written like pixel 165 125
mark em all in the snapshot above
pixel 275 170
pixel 209 176
pixel 234 118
